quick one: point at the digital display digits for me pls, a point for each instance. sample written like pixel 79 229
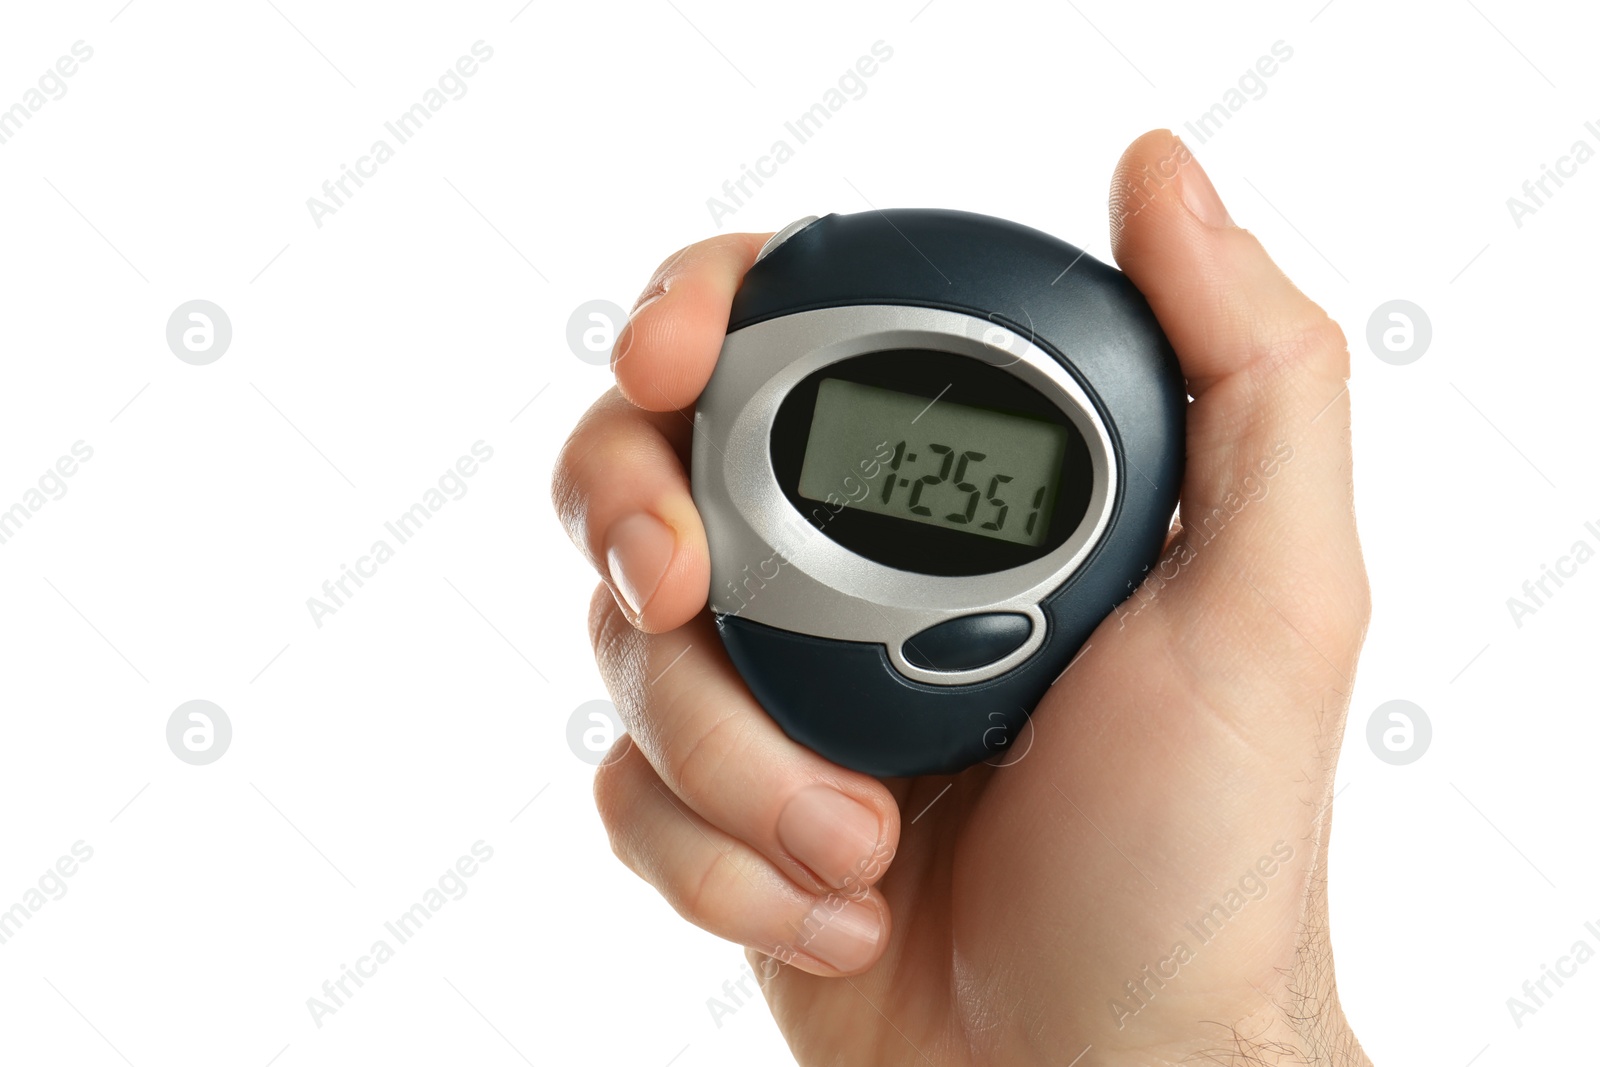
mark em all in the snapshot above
pixel 972 469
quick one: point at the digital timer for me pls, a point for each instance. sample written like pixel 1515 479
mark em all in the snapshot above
pixel 1019 457
pixel 937 449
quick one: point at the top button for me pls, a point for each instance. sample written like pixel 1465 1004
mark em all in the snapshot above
pixel 783 235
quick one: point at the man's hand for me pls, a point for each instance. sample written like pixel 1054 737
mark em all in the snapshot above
pixel 1147 882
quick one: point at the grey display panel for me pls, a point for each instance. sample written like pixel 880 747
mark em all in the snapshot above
pixel 963 468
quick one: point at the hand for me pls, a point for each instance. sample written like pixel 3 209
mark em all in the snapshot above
pixel 1148 879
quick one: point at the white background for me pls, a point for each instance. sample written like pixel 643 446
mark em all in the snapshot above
pixel 368 354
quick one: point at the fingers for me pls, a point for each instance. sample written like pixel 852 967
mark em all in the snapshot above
pixel 619 485
pixel 1267 491
pixel 620 489
pixel 767 831
pixel 664 355
pixel 1221 300
pixel 724 886
pixel 692 717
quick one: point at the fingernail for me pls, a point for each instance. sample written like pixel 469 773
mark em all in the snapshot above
pixel 841 933
pixel 831 834
pixel 638 549
pixel 1199 195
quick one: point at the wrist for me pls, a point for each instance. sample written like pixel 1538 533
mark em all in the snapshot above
pixel 1296 1022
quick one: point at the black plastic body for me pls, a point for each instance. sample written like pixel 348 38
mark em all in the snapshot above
pixel 844 699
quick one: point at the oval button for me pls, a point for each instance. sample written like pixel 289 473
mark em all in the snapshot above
pixel 967 643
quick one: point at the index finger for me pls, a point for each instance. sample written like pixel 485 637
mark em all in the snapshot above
pixel 664 355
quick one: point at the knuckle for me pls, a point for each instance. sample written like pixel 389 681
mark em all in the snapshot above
pixel 610 632
pixel 1355 611
pixel 612 799
pixel 1329 619
pixel 567 485
pixel 621 653
pixel 698 771
pixel 1305 339
pixel 706 898
pixel 1360 592
pixel 570 474
pixel 565 496
pixel 617 784
pixel 664 270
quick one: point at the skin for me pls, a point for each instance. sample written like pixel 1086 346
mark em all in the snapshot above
pixel 1195 735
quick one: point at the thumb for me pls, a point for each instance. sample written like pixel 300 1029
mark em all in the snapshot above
pixel 1266 510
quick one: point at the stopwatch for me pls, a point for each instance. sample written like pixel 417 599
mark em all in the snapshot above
pixel 937 449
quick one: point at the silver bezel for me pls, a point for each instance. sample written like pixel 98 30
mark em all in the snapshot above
pixel 795 577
